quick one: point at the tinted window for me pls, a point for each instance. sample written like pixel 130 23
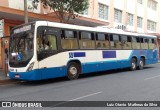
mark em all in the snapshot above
pixel 87 40
pixel 126 42
pixel 46 43
pixel 115 42
pixel 102 41
pixel 69 34
pixel 136 42
pixel 101 37
pixel 144 43
pixel 86 35
pixel 69 39
pixel 152 43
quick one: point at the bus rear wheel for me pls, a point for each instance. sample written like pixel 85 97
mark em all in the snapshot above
pixel 141 64
pixel 133 64
pixel 73 71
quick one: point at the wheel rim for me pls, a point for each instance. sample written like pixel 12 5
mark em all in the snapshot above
pixel 141 63
pixel 73 71
pixel 133 65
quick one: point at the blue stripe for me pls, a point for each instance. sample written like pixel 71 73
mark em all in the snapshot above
pixel 79 54
pixel 40 74
pixel 46 73
pixel 56 72
pixel 109 54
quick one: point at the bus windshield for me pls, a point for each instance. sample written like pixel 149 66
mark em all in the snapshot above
pixel 21 47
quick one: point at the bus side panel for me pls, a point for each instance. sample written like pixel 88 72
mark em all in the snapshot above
pixel 152 56
pixel 53 72
pixel 51 67
pixel 124 57
pixel 107 60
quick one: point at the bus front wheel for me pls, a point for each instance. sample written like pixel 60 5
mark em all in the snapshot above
pixel 73 71
pixel 133 64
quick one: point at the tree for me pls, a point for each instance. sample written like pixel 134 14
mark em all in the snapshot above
pixel 65 9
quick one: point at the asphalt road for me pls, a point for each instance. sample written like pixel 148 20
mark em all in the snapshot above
pixel 117 85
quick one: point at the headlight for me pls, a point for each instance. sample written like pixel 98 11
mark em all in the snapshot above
pixel 30 67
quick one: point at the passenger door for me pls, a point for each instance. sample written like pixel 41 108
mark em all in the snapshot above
pixel 47 50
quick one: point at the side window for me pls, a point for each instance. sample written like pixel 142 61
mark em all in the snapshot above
pixel 102 41
pixel 40 41
pixel 115 41
pixel 144 43
pixel 126 42
pixel 155 43
pixel 69 39
pixel 46 43
pixel 87 40
pixel 52 45
pixel 136 42
pixel 152 43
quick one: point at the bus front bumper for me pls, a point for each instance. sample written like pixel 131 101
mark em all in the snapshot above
pixel 30 76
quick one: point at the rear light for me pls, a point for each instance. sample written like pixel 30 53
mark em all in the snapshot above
pixel 30 67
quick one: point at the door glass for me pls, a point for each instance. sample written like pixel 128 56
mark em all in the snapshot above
pixel 46 45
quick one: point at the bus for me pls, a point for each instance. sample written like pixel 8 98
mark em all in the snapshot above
pixel 42 50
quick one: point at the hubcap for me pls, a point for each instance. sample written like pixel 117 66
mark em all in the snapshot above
pixel 141 63
pixel 73 70
pixel 133 65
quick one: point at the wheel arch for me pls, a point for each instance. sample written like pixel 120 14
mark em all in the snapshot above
pixel 144 58
pixel 75 61
pixel 135 58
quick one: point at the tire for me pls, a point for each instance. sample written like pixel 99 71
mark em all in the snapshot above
pixel 141 64
pixel 73 71
pixel 133 64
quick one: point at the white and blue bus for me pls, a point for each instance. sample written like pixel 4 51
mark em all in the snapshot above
pixel 42 50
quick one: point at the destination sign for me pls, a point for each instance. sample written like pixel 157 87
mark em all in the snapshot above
pixel 22 29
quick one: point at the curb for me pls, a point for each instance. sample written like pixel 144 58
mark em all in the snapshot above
pixel 6 81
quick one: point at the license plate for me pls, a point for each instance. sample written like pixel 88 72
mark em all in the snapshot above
pixel 17 76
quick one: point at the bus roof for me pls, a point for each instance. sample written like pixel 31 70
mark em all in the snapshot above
pixel 92 29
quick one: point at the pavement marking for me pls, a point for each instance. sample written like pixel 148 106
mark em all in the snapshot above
pixel 86 96
pixel 152 77
pixel 77 98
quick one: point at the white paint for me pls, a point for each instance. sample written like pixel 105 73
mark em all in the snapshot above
pixel 149 31
pixel 131 6
pixel 152 15
pixel 106 2
pixel 130 28
pixel 140 30
pixel 85 96
pixel 140 10
pixel 119 4
pixel 105 20
pixel 77 98
pixel 152 77
pixel 20 5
